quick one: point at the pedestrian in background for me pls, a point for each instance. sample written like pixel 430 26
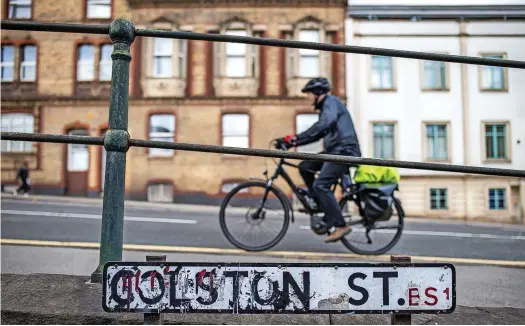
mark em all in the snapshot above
pixel 23 175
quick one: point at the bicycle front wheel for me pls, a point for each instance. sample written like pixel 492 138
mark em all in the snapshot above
pixel 254 217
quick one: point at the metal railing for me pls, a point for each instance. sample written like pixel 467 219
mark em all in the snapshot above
pixel 116 141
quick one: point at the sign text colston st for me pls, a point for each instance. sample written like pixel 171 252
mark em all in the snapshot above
pixel 278 288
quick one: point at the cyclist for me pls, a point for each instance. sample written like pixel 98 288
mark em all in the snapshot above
pixel 336 128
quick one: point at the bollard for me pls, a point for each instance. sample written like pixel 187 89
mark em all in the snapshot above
pixel 154 318
pixel 122 34
pixel 401 319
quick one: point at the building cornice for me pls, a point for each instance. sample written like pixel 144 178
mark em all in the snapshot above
pixel 207 101
pixel 377 12
pixel 237 3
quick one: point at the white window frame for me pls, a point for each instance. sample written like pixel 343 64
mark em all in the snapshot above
pixel 181 57
pixel 431 147
pixel 505 199
pixel 313 147
pixel 75 149
pixel 28 125
pixel 8 64
pixel 100 3
pixel 107 63
pixel 153 135
pixel 249 56
pixel 163 189
pixel 162 55
pixel 226 187
pixel 25 64
pixel 308 54
pixel 483 70
pixel 231 134
pixel 14 4
pixel 243 56
pixel 437 67
pixel 381 85
pixel 291 70
pixel 394 139
pixel 87 63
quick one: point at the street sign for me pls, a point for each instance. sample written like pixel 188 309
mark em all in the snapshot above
pixel 278 288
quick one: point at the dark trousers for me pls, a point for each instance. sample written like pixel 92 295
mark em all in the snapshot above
pixel 320 188
pixel 25 187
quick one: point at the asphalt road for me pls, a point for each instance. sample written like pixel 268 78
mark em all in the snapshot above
pixel 76 222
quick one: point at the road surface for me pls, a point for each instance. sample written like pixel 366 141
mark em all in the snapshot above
pixel 199 228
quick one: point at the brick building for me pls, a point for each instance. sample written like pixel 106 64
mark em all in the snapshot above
pixel 185 91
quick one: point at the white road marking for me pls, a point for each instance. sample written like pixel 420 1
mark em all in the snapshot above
pixel 441 234
pixel 96 216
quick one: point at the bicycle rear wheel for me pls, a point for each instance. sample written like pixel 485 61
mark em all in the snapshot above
pixel 382 236
pixel 253 206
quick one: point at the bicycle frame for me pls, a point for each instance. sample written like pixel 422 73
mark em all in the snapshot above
pixel 281 172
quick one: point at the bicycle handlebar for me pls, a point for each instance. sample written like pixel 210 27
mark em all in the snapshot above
pixel 279 144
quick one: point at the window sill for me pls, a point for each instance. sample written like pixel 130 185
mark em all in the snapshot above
pixel 19 19
pixel 384 158
pixel 494 90
pixel 382 89
pixel 94 81
pixel 236 86
pixel 94 88
pixel 19 153
pixel 502 160
pixel 442 90
pixel 160 157
pixel 234 157
pixel 163 87
pixel 97 20
pixel 448 160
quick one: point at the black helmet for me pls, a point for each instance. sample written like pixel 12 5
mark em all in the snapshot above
pixel 317 86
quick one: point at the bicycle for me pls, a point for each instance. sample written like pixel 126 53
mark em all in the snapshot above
pixel 274 197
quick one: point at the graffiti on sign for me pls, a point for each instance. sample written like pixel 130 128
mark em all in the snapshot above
pixel 283 288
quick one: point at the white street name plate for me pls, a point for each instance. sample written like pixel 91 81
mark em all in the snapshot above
pixel 278 288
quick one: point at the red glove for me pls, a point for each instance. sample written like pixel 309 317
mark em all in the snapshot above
pixel 290 139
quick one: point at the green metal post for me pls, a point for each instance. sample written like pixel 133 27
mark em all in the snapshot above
pixel 122 34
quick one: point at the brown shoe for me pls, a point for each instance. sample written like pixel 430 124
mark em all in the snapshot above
pixel 338 233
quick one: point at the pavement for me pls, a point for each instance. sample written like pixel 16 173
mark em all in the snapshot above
pixel 60 299
pixel 49 247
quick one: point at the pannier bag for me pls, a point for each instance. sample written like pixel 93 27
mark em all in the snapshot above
pixel 378 184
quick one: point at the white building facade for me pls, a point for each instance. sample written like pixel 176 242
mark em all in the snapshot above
pixel 429 111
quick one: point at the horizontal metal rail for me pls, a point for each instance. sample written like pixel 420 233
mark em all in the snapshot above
pixel 54 27
pixel 268 153
pixel 50 138
pixel 104 29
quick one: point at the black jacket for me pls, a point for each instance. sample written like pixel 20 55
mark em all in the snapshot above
pixel 336 128
pixel 23 173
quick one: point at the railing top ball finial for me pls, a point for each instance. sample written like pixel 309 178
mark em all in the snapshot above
pixel 122 30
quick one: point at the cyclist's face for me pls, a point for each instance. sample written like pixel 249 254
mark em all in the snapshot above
pixel 311 97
